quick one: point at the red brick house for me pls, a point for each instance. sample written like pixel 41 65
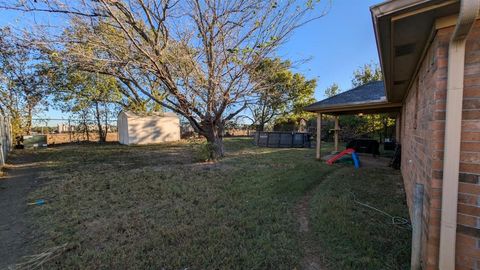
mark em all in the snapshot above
pixel 430 56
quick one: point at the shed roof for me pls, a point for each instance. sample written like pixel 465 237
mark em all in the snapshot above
pixel 131 114
pixel 370 96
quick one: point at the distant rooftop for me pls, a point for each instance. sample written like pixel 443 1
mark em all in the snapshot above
pixel 369 93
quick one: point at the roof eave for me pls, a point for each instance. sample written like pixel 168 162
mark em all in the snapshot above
pixel 386 9
pixel 377 41
pixel 345 108
pixel 391 7
pixel 389 20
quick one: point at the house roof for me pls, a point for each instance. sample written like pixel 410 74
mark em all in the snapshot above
pixel 403 31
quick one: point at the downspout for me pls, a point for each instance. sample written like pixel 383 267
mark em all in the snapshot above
pixel 453 129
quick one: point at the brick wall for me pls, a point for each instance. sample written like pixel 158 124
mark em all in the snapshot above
pixel 423 125
pixel 468 228
pixel 421 137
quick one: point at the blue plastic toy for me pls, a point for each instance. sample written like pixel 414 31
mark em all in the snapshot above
pixel 38 202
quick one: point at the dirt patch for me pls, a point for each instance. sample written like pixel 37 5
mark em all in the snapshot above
pixel 312 258
pixel 19 179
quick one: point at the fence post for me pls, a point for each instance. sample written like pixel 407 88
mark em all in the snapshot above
pixel 69 130
pixel 417 227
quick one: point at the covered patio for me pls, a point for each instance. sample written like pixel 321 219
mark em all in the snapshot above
pixel 365 99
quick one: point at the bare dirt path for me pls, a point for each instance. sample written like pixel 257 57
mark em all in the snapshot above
pixel 15 236
pixel 312 256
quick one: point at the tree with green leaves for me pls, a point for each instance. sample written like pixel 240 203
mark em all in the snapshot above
pixel 88 95
pixel 367 73
pixel 195 55
pixel 366 124
pixel 303 95
pixel 332 90
pixel 278 93
pixel 22 81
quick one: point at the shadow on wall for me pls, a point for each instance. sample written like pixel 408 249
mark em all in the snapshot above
pixel 151 129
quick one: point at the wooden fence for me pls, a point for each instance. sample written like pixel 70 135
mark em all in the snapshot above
pixel 5 139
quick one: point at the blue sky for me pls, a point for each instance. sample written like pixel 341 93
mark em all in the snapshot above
pixel 336 44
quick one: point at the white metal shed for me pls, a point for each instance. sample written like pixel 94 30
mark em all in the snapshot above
pixel 5 139
pixel 135 128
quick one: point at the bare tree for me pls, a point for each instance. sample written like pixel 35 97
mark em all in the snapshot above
pixel 193 57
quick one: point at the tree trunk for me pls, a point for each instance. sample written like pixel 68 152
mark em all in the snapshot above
pixel 214 136
pixel 28 126
pixel 260 128
pixel 106 120
pixel 101 134
pixel 85 125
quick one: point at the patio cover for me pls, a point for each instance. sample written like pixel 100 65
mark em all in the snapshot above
pixel 367 98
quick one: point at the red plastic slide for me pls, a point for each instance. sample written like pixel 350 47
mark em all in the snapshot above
pixel 339 155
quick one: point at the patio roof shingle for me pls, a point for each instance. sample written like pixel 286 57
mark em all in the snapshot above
pixel 369 93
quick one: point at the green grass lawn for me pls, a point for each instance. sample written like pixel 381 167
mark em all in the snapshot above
pixel 353 235
pixel 158 207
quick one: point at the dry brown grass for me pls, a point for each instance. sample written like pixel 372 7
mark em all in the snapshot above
pixel 160 207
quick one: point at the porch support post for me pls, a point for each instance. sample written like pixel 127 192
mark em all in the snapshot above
pixel 398 128
pixel 319 135
pixel 337 129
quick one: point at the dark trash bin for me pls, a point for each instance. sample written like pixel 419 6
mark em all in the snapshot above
pixel 365 146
